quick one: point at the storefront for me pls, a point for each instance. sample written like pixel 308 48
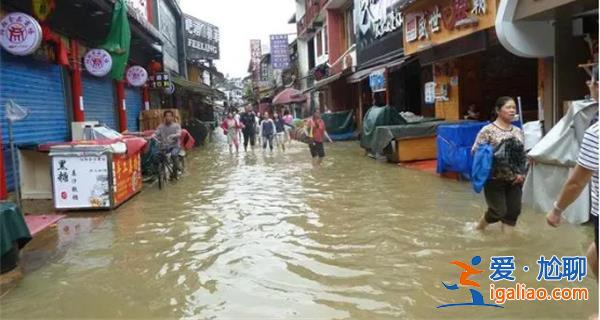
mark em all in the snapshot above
pixel 381 58
pixel 49 76
pixel 99 100
pixel 456 45
pixel 38 85
pixel 561 35
pixel 201 47
pixel 134 105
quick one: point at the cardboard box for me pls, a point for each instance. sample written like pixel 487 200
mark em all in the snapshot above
pixel 151 119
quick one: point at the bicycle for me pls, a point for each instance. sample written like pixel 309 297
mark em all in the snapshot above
pixel 165 166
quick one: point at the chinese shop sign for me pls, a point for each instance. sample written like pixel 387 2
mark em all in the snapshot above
pixel 430 23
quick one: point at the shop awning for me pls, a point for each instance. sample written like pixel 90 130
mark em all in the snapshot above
pixel 289 95
pixel 326 81
pixel 322 83
pixel 363 74
pixel 194 87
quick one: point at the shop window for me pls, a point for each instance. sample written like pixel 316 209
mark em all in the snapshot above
pixel 325 42
pixel 349 26
pixel 319 41
pixel 311 53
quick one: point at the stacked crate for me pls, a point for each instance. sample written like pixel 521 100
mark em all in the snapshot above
pixel 151 119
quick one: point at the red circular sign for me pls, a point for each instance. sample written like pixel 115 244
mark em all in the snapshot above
pixel 64 195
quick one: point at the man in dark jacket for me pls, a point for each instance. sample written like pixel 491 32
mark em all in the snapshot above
pixel 248 119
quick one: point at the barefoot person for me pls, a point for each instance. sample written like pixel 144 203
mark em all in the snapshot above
pixel 585 170
pixel 503 190
pixel 315 130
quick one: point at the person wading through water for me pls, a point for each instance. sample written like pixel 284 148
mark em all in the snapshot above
pixel 503 190
pixel 315 130
pixel 248 119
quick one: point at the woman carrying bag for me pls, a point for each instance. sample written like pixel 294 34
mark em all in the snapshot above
pixel 503 190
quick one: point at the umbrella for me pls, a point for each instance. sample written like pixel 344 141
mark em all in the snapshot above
pixel 289 95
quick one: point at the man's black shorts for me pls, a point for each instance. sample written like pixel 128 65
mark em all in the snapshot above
pixel 317 149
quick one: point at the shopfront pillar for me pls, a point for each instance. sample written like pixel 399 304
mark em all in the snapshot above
pixel 76 87
pixel 3 189
pixel 359 116
pixel 146 97
pixel 121 105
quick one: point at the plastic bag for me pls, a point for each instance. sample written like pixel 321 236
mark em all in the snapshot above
pixel 15 112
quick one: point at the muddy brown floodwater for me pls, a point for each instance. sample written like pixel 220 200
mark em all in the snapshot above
pixel 264 236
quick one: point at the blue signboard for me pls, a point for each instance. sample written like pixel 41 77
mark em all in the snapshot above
pixel 280 57
pixel 377 80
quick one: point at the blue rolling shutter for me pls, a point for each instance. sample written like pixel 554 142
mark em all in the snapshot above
pixel 99 100
pixel 133 101
pixel 37 86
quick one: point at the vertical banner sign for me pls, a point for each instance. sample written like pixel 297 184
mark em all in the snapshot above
pixel 280 57
pixel 255 53
pixel 128 174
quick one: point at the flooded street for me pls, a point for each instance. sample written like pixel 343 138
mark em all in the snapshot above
pixel 265 236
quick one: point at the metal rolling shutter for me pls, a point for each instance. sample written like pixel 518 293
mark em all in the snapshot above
pixel 99 100
pixel 133 101
pixel 37 86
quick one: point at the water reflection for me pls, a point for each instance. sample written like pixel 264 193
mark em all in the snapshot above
pixel 265 236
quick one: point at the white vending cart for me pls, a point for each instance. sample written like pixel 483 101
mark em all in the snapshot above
pixel 93 176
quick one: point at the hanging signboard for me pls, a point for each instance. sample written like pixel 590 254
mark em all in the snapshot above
pixel 255 54
pixel 430 92
pixel 20 34
pixel 377 80
pixel 97 62
pixel 379 29
pixel 80 182
pixel 168 29
pixel 136 76
pixel 160 80
pixel 280 56
pixel 201 39
pixel 430 23
pixel 410 27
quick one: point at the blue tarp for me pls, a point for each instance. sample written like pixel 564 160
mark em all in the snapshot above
pixel 454 142
pixel 343 136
